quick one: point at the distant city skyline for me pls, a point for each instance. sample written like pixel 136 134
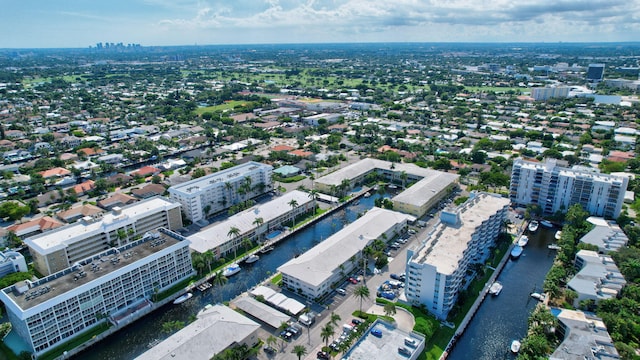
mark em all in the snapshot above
pixel 79 24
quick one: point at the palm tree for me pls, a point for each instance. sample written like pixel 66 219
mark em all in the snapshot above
pixel 198 262
pixel 362 292
pixel 229 187
pixel 257 222
pixel 271 341
pixel 299 350
pixel 313 194
pixel 219 280
pixel 403 177
pixel 208 258
pixel 390 309
pixel 233 233
pixel 294 204
pixel 246 244
pixel 327 332
pixel 334 319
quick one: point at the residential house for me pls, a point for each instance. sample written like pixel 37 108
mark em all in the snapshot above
pixel 148 191
pixel 145 171
pixel 77 213
pixel 116 200
pixel 35 226
pixel 84 187
pixel 119 180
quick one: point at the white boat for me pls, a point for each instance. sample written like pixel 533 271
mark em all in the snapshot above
pixel 516 251
pixel 533 226
pixel 546 223
pixel 515 346
pixel 231 270
pixel 558 234
pixel 554 247
pixel 266 249
pixel 495 288
pixel 252 258
pixel 538 296
pixel 523 240
pixel 367 194
pixel 182 298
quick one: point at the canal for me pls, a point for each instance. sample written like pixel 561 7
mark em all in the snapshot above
pixel 134 339
pixel 501 319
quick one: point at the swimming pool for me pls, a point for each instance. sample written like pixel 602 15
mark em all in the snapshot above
pixel 273 234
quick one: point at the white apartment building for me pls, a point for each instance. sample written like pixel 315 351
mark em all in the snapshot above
pixel 314 273
pixel 556 188
pixel 11 262
pixel 463 236
pixel 545 93
pixel 115 285
pixel 58 249
pixel 219 191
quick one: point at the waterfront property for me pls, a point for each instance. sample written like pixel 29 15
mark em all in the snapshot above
pixel 216 329
pixel 109 286
pixel 386 342
pixel 463 236
pixel 584 336
pixel 315 272
pixel 429 186
pixel 220 239
pixel 597 278
pixel 555 188
pixel 606 235
pixel 60 248
pixel 218 191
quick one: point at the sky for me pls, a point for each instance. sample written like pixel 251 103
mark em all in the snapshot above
pixel 83 23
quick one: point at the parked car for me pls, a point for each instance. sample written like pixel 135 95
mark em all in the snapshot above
pixel 404 351
pixel 395 276
pixel 322 355
pixel 353 280
pixel 356 321
pixel 269 350
pixel 376 332
pixel 341 291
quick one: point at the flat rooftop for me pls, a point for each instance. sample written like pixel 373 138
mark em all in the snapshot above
pixel 365 165
pixel 586 338
pixel 318 263
pixel 445 244
pixel 222 176
pixel 58 238
pixel 433 183
pixel 93 268
pixel 384 347
pixel 216 235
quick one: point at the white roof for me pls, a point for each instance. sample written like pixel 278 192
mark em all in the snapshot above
pixel 261 311
pixel 216 235
pixel 59 238
pixel 433 183
pixel 318 264
pixel 446 244
pixel 216 329
pixel 264 291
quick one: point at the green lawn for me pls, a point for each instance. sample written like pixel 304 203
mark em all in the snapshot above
pixel 222 107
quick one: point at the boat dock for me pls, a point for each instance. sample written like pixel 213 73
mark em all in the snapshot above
pixel 476 305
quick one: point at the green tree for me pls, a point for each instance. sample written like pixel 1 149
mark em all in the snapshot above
pixel 299 350
pixel 361 292
pixel 327 332
pixel 233 233
pixel 389 309
pixel 294 204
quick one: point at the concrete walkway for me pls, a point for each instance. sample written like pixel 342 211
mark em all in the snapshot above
pixel 404 319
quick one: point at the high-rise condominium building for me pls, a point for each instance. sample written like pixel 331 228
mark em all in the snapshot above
pixel 116 285
pixel 436 270
pixel 219 191
pixel 595 72
pixel 555 188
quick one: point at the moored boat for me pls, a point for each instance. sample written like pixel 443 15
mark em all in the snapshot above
pixel 266 249
pixel 495 288
pixel 516 251
pixel 204 286
pixel 546 223
pixel 558 234
pixel 182 298
pixel 523 240
pixel 367 194
pixel 538 296
pixel 533 226
pixel 515 346
pixel 231 270
pixel 553 247
pixel 251 259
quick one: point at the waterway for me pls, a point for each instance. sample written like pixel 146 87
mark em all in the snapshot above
pixel 501 319
pixel 133 340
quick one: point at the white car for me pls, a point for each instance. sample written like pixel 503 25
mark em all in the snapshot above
pixel 341 291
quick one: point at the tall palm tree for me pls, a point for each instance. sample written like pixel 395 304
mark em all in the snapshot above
pixel 327 332
pixel 299 350
pixel 208 258
pixel 334 319
pixel 219 280
pixel 233 233
pixel 362 292
pixel 294 204
pixel 313 194
pixel 257 222
pixel 271 341
pixel 229 187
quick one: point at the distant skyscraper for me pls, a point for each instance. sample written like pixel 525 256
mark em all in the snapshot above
pixel 595 72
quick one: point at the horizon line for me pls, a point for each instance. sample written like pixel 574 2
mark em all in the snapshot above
pixel 138 45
